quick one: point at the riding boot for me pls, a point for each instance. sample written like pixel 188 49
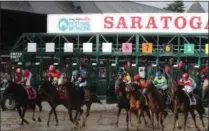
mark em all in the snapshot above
pixel 191 97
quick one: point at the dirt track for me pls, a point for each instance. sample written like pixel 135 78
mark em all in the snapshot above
pixel 98 121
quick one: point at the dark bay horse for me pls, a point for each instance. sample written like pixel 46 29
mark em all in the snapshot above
pixel 138 102
pixel 156 104
pixel 122 101
pixel 19 94
pixel 73 100
pixel 182 105
pixel 50 94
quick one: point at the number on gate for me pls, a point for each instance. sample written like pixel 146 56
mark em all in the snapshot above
pixel 147 47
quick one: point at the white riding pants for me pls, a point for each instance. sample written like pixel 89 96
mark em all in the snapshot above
pixel 188 89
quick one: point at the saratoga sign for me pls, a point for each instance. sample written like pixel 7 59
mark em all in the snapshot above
pixel 145 23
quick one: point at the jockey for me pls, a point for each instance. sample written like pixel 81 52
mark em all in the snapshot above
pixel 139 81
pixel 126 77
pixel 205 78
pixel 55 74
pixel 169 68
pixel 18 75
pixel 82 79
pixel 79 79
pixel 180 71
pixel 27 75
pixel 160 81
pixel 189 85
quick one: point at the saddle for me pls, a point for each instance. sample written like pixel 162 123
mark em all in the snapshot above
pixel 32 94
pixel 62 93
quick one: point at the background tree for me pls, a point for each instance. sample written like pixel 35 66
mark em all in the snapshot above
pixel 176 6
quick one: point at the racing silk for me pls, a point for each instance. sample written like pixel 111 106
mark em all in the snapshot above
pixel 27 75
pixel 160 82
pixel 204 72
pixel 179 73
pixel 55 74
pixel 127 77
pixel 167 70
pixel 189 82
pixel 82 81
pixel 142 83
pixel 18 77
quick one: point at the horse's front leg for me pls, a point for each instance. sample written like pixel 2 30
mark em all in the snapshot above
pixel 127 118
pixel 34 110
pixel 23 114
pixel 158 120
pixel 118 115
pixel 55 114
pixel 153 122
pixel 185 120
pixel 20 114
pixel 40 109
pixel 88 106
pixel 194 119
pixel 140 113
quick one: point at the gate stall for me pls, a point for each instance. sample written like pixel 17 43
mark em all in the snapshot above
pixel 106 43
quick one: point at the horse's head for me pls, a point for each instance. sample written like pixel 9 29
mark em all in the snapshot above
pixel 11 88
pixel 131 87
pixel 150 87
pixel 176 88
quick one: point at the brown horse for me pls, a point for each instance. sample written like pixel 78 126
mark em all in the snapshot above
pixel 182 105
pixel 156 104
pixel 76 99
pixel 123 102
pixel 138 103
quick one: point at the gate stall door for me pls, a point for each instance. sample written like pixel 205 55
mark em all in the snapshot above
pixel 103 81
pixel 91 67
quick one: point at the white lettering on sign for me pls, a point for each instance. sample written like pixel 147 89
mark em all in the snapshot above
pixel 147 23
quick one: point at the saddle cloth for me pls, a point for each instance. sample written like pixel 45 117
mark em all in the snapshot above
pixel 62 93
pixel 30 92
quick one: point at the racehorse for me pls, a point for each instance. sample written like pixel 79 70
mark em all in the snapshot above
pixel 23 99
pixel 123 102
pixel 182 105
pixel 138 102
pixel 50 94
pixel 156 104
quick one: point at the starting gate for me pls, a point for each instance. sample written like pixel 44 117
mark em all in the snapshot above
pixel 105 53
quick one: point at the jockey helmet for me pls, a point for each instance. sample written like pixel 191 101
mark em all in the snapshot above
pixel 137 77
pixel 158 73
pixel 75 73
pixel 185 75
pixel 18 70
pixel 180 64
pixel 51 68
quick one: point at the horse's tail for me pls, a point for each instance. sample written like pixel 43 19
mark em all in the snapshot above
pixel 201 109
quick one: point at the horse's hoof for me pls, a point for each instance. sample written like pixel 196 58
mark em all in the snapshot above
pixel 34 119
pixel 21 124
pixel 39 119
pixel 146 123
pixel 179 127
pixel 84 124
pixel 26 122
pixel 47 124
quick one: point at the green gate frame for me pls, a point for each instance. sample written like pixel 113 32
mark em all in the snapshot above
pixel 97 39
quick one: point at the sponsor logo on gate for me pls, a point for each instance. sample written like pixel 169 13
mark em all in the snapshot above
pixel 75 24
